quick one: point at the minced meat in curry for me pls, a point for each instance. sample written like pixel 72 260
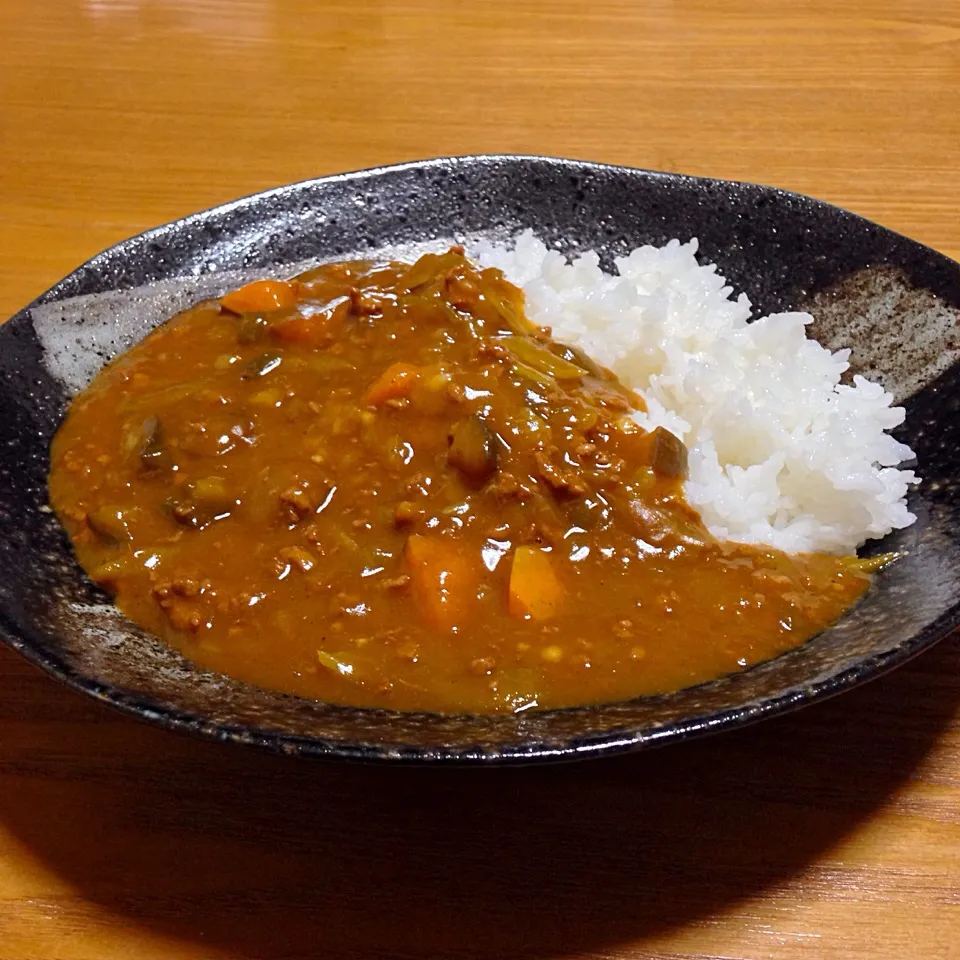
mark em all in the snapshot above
pixel 380 484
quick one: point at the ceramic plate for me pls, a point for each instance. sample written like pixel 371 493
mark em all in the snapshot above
pixel 895 302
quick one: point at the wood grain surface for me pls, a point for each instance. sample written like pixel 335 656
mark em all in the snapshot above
pixel 834 833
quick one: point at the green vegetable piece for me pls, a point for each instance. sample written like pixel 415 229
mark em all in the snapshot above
pixel 531 354
pixel 262 365
pixel 430 267
pixel 576 356
pixel 531 373
pixel 514 321
pixel 335 663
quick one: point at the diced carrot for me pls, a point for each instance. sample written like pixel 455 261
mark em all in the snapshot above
pixel 319 329
pixel 396 381
pixel 534 589
pixel 306 331
pixel 261 295
pixel 441 580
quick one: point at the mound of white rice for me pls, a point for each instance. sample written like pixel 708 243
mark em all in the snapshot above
pixel 781 452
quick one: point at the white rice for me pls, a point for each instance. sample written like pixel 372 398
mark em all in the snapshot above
pixel 781 452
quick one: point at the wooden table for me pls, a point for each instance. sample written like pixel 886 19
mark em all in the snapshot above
pixel 834 833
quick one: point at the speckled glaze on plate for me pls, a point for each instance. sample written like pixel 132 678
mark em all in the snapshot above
pixel 894 301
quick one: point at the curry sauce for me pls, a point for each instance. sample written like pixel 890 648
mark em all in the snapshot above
pixel 380 484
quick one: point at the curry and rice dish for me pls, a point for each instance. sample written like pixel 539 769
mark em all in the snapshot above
pixel 382 484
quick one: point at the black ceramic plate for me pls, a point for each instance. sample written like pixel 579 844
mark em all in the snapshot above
pixel 895 302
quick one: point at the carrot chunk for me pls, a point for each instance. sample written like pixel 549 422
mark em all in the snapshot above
pixel 534 590
pixel 261 295
pixel 305 331
pixel 395 382
pixel 441 581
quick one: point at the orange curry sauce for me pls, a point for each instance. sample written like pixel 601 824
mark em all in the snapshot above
pixel 380 484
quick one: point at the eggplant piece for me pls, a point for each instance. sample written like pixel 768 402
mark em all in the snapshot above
pixel 664 527
pixel 109 523
pixel 205 501
pixel 251 328
pixel 668 454
pixel 154 451
pixel 473 450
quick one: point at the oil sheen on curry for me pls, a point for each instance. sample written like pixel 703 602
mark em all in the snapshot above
pixel 379 484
